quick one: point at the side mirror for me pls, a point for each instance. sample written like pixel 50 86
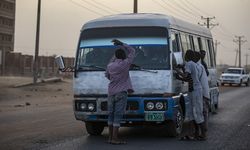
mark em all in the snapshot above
pixel 60 62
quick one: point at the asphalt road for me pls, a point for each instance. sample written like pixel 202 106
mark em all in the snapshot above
pixel 56 129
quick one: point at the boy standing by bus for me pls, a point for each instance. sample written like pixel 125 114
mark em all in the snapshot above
pixel 120 84
pixel 205 92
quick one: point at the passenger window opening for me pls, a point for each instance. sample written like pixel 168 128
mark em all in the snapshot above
pixel 196 44
pixel 209 44
pixel 191 40
pixel 175 42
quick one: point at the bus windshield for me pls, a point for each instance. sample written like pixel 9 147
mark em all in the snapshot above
pixel 152 50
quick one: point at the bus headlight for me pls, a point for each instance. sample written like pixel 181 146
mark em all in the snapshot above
pixel 155 105
pixel 83 106
pixel 150 106
pixel 159 105
pixel 91 106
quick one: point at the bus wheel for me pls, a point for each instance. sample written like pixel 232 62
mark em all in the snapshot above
pixel 174 128
pixel 94 128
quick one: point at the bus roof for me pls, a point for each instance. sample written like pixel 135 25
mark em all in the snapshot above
pixel 146 20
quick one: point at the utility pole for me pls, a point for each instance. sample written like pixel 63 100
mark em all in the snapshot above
pixel 246 59
pixel 216 43
pixel 207 22
pixel 135 6
pixel 240 42
pixel 35 61
pixel 236 57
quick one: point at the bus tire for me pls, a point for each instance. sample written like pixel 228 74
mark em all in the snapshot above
pixel 94 128
pixel 174 127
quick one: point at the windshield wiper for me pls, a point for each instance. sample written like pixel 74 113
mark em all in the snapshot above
pixel 136 67
pixel 91 66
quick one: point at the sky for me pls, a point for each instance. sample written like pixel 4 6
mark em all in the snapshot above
pixel 61 21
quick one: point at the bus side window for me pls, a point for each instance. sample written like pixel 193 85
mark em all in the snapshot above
pixel 175 42
pixel 205 48
pixel 196 44
pixel 200 44
pixel 191 40
pixel 214 53
pixel 210 49
pixel 188 42
pixel 184 43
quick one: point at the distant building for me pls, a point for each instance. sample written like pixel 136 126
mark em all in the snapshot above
pixel 7 30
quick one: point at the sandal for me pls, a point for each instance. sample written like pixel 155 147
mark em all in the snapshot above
pixel 187 138
pixel 118 142
pixel 201 138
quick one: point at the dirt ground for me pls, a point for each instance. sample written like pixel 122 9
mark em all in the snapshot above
pixel 29 113
pixel 32 96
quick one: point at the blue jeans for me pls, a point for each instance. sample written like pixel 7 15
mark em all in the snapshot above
pixel 116 108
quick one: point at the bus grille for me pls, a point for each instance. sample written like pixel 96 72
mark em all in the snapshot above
pixel 131 105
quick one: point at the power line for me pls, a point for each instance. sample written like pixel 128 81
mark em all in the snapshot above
pixel 191 4
pixel 79 5
pixel 172 9
pixel 188 6
pixel 201 12
pixel 101 4
pixel 221 34
pixel 96 6
pixel 225 46
pixel 225 34
pixel 184 9
pixel 165 8
pixel 172 6
pixel 225 30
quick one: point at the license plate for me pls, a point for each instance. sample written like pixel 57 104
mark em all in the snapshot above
pixel 154 117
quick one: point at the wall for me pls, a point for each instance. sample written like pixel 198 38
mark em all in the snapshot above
pixel 17 64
